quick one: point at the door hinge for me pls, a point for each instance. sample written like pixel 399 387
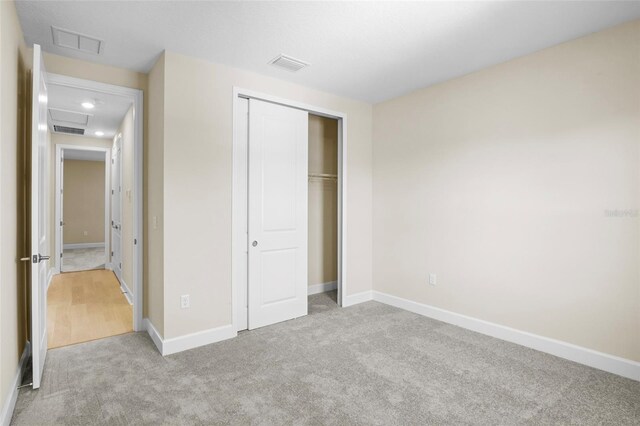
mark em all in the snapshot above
pixel 111 254
pixel 120 266
pixel 135 241
pixel 112 192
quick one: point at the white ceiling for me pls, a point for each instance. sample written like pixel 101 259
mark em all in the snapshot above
pixel 371 51
pixel 83 155
pixel 107 115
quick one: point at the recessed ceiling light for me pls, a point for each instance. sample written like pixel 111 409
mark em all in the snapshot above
pixel 88 105
pixel 99 133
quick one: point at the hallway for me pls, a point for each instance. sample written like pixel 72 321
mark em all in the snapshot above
pixel 84 306
pixel 83 259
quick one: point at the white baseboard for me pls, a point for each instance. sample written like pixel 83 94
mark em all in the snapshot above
pixel 118 273
pixel 322 287
pixel 125 290
pixel 9 403
pixel 194 340
pixel 188 341
pixel 82 246
pixel 610 363
pixel 154 334
pixel 354 299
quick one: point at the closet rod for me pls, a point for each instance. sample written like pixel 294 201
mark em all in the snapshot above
pixel 324 176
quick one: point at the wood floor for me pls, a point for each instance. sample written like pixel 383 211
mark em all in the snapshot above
pixel 85 306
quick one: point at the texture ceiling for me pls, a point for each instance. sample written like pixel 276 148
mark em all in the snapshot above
pixel 371 51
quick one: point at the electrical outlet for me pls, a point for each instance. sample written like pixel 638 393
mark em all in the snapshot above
pixel 432 279
pixel 184 301
pixel 85 233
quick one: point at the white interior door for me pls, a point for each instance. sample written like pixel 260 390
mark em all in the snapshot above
pixel 39 244
pixel 278 150
pixel 60 178
pixel 116 210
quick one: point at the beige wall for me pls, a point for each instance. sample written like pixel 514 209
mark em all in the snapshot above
pixel 501 183
pixel 13 191
pixel 196 209
pixel 323 201
pixel 84 192
pixel 127 149
pixel 92 71
pixel 154 199
pixel 62 139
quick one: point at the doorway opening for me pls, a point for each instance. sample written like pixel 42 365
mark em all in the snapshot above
pixel 323 213
pixel 288 209
pixel 70 107
pixel 92 135
pixel 82 203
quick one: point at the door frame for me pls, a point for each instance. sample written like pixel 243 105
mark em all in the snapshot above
pixel 240 162
pixel 59 176
pixel 136 97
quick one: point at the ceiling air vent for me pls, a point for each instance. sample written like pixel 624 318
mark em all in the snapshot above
pixel 288 63
pixel 76 41
pixel 69 130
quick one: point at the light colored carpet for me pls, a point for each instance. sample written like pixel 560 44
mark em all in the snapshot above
pixel 368 364
pixel 83 259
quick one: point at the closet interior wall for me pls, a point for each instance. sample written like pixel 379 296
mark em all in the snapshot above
pixel 323 203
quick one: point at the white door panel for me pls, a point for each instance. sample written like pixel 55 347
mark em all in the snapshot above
pixel 116 207
pixel 279 266
pixel 39 244
pixel 278 145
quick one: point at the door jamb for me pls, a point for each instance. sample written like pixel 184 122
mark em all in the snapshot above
pixel 136 97
pixel 59 244
pixel 342 188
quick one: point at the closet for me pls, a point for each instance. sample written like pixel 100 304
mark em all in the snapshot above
pixel 285 238
pixel 323 205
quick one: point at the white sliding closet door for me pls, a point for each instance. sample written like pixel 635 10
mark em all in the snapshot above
pixel 278 150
